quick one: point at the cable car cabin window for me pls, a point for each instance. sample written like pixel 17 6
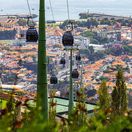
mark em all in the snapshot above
pixel 31 35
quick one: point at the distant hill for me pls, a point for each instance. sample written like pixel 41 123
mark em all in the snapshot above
pixel 20 16
pixel 99 16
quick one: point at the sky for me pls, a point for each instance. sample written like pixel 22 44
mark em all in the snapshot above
pixel 76 6
pixel 14 3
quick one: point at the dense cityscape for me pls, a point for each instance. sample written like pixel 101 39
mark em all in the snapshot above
pixel 100 58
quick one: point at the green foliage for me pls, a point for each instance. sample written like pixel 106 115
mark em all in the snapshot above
pixel 99 55
pixel 91 50
pixel 22 22
pixel 120 124
pixel 52 106
pixel 104 98
pixel 79 123
pixel 94 56
pixel 127 50
pixel 94 41
pixel 64 24
pixel 79 115
pixel 5 123
pixel 102 120
pixel 105 22
pixel 119 95
pixel 91 22
pixel 119 51
pixel 102 78
pixel 88 34
pixel 98 122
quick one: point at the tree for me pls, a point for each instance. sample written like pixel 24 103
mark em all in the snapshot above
pixel 22 22
pixel 127 50
pixel 102 78
pixel 91 49
pixel 104 98
pixel 99 55
pixel 88 34
pixel 119 94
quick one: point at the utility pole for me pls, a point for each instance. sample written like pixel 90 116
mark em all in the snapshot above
pixel 42 86
pixel 71 96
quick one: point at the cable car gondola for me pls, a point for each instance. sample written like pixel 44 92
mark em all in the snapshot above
pixel 78 57
pixel 31 34
pixel 75 74
pixel 62 61
pixel 53 80
pixel 68 39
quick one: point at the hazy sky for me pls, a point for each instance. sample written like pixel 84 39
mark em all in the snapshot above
pixel 76 6
pixel 21 3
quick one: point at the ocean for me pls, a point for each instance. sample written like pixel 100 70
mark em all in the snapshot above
pixel 112 7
